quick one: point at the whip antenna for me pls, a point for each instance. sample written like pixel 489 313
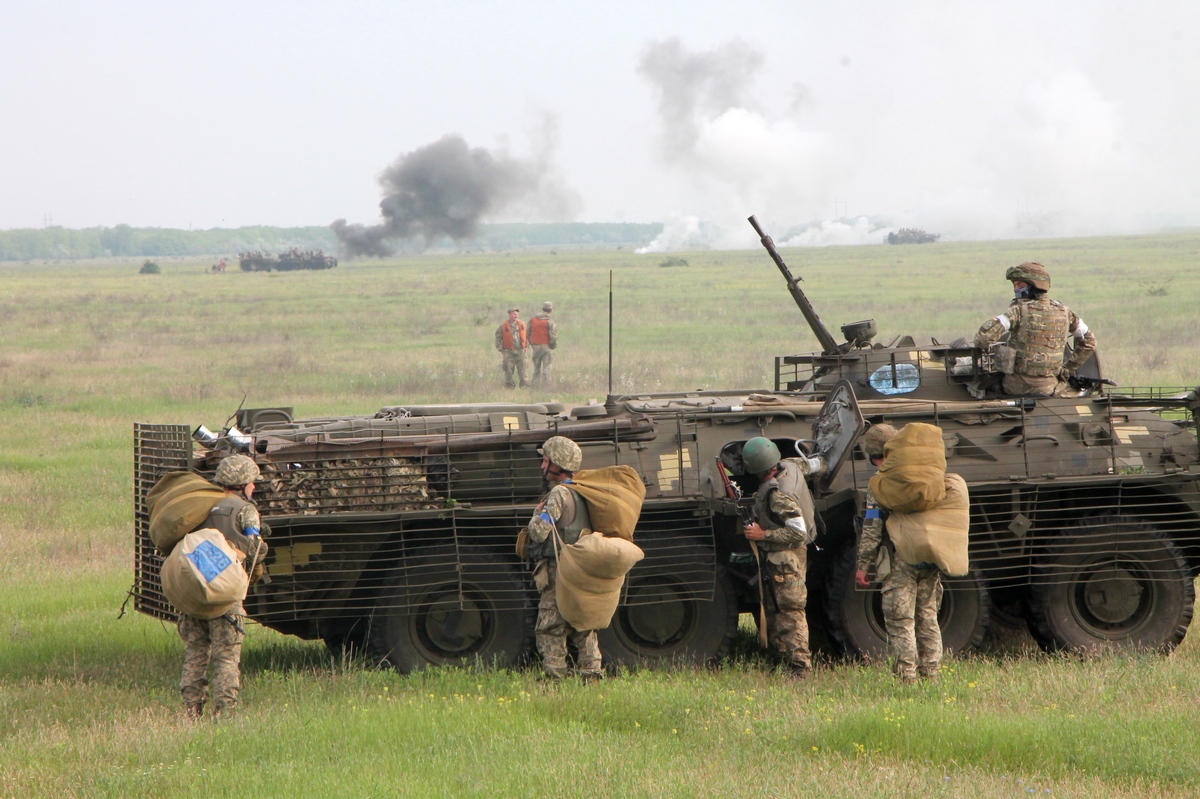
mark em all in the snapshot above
pixel 610 320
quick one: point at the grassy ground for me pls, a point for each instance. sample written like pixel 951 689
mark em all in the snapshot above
pixel 88 703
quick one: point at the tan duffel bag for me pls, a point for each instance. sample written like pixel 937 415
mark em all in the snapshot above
pixel 203 575
pixel 913 475
pixel 591 573
pixel 938 535
pixel 614 498
pixel 178 504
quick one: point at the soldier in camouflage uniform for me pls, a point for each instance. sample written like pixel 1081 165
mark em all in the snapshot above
pixel 559 519
pixel 218 642
pixel 912 593
pixel 785 525
pixel 1037 328
pixel 543 340
pixel 512 343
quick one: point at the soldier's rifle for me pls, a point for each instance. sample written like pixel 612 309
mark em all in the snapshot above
pixel 734 493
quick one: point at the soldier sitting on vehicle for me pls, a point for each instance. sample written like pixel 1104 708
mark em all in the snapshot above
pixel 1037 328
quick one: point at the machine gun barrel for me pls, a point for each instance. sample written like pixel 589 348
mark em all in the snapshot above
pixel 828 343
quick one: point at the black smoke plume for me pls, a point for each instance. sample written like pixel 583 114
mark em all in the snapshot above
pixel 446 188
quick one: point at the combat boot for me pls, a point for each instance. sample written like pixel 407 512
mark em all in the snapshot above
pixel 193 710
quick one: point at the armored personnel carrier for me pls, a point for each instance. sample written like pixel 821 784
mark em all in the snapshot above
pixel 394 531
pixel 912 235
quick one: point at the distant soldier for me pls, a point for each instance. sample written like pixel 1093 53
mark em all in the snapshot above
pixel 785 525
pixel 558 520
pixel 543 339
pixel 218 642
pixel 512 343
pixel 912 593
pixel 1037 329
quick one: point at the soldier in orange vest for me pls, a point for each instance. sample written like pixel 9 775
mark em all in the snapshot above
pixel 512 342
pixel 543 339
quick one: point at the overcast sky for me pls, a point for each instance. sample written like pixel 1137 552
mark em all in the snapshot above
pixel 972 119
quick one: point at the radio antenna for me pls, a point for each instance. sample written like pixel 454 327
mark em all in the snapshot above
pixel 610 326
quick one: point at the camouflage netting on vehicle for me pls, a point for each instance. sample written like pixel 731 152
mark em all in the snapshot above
pixel 347 485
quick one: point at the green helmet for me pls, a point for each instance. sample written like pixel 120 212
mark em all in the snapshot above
pixel 874 439
pixel 1030 272
pixel 236 470
pixel 562 452
pixel 759 455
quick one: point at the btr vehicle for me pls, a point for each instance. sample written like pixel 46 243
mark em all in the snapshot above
pixel 393 532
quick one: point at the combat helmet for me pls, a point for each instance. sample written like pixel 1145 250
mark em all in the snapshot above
pixel 874 439
pixel 236 470
pixel 562 452
pixel 759 455
pixel 548 306
pixel 1030 272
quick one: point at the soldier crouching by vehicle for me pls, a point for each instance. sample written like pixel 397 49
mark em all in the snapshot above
pixel 218 642
pixel 784 526
pixel 912 593
pixel 559 519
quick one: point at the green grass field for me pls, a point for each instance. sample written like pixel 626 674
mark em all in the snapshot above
pixel 89 702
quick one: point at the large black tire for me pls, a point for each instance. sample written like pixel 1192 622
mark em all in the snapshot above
pixel 423 620
pixel 677 631
pixel 856 616
pixel 1115 584
pixel 346 638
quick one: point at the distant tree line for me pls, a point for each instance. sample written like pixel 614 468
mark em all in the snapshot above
pixel 57 243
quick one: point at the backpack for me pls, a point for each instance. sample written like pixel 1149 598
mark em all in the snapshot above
pixel 178 504
pixel 913 474
pixel 614 498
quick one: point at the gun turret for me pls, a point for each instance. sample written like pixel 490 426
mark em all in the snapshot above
pixel 828 344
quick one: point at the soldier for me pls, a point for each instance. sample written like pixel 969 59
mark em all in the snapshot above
pixel 785 525
pixel 559 519
pixel 218 642
pixel 512 343
pixel 543 339
pixel 912 593
pixel 1037 328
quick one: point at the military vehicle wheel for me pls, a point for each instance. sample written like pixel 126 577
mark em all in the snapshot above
pixel 1120 585
pixel 348 639
pixel 678 630
pixel 453 615
pixel 856 617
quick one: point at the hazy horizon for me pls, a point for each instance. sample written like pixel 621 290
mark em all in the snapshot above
pixel 837 123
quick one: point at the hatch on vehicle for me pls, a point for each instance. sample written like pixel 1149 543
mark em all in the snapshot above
pixel 836 428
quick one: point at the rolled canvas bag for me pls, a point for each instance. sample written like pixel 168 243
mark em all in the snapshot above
pixel 178 504
pixel 938 535
pixel 591 573
pixel 203 575
pixel 913 474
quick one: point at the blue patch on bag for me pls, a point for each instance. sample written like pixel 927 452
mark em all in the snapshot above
pixel 209 560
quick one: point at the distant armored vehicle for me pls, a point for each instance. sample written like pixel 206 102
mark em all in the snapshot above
pixel 286 261
pixel 394 531
pixel 912 235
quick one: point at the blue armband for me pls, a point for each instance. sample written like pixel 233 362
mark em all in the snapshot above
pixel 873 513
pixel 546 518
pixel 250 531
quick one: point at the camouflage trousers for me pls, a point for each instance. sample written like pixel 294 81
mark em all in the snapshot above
pixel 514 361
pixel 911 599
pixel 787 622
pixel 552 633
pixel 1027 386
pixel 216 643
pixel 543 361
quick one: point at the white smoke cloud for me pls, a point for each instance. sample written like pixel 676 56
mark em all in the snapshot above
pixel 968 140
